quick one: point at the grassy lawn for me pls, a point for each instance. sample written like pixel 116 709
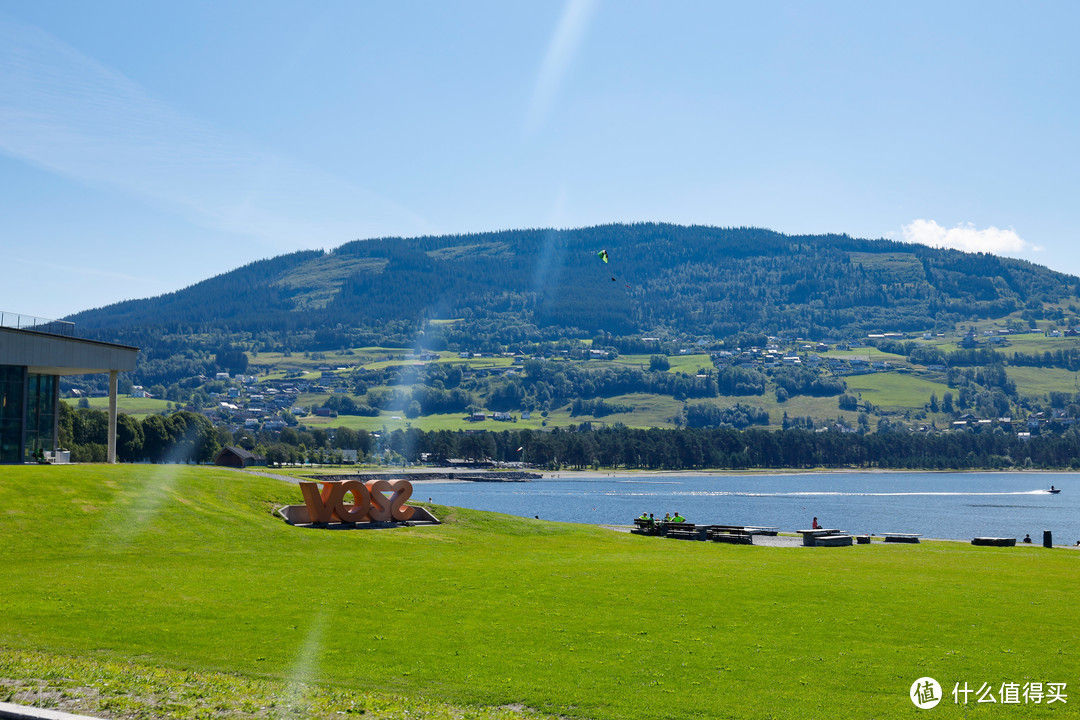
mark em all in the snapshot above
pixel 186 569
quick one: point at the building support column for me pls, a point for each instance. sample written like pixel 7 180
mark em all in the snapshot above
pixel 112 415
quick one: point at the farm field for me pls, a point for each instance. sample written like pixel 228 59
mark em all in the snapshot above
pixel 870 353
pixel 137 407
pixel 689 364
pixel 186 569
pixel 1040 382
pixel 894 391
pixel 444 421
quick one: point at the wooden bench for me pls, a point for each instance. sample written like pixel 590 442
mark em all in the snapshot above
pixel 732 538
pixel 994 541
pixel 643 527
pixel 832 541
pixel 862 539
pixel 901 537
pixel 721 532
pixel 808 536
pixel 683 531
pixel 751 529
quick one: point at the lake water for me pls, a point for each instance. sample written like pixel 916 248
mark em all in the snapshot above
pixel 938 505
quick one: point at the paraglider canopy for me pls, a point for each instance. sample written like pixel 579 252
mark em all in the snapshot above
pixel 602 255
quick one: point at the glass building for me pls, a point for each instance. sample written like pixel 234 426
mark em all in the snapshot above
pixel 31 364
pixel 28 414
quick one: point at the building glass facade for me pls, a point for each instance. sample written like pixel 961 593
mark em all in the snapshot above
pixel 28 404
pixel 12 406
pixel 40 414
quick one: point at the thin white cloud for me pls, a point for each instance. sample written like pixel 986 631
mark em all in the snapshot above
pixel 968 238
pixel 564 44
pixel 69 270
pixel 68 113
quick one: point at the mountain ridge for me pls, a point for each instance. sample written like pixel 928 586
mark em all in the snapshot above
pixel 534 284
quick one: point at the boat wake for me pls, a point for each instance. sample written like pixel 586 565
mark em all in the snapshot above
pixel 830 493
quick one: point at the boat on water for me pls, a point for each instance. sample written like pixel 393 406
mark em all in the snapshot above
pixel 1053 490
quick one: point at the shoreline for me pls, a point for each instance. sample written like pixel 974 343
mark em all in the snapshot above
pixel 600 474
pixel 416 475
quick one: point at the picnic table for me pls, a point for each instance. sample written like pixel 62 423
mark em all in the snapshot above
pixel 642 526
pixel 809 537
pixel 751 529
pixel 737 534
pixel 995 541
pixel 732 534
pixel 683 531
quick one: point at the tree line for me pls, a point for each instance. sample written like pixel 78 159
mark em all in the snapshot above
pixel 188 437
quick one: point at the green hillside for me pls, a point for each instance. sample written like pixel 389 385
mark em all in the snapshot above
pixel 531 285
pixel 681 324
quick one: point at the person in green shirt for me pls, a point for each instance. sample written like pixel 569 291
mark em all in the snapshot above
pixel 678 518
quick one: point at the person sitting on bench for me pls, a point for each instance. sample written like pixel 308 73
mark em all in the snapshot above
pixel 678 518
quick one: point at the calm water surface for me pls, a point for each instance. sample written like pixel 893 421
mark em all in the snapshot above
pixel 942 505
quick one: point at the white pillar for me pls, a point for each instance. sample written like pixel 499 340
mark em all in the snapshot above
pixel 112 415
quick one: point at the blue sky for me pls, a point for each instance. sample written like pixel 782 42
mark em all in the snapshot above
pixel 147 146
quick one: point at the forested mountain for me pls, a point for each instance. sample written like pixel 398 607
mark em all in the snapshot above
pixel 529 285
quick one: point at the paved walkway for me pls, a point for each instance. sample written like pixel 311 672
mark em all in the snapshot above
pixel 11 711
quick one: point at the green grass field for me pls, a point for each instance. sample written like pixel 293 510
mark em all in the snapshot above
pixel 1032 344
pixel 866 353
pixel 689 364
pixel 137 407
pixel 895 391
pixel 443 421
pixel 123 569
pixel 1039 382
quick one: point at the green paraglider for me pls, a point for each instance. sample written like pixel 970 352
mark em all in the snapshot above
pixel 603 256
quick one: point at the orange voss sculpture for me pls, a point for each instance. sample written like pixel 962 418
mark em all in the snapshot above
pixel 369 503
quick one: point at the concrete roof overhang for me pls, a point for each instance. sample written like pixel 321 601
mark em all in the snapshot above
pixel 49 354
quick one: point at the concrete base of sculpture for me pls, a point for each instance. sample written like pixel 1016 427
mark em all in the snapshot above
pixel 299 516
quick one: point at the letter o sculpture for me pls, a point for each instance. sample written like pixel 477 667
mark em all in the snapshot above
pixel 361 505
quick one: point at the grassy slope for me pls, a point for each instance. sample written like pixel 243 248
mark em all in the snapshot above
pixel 186 567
